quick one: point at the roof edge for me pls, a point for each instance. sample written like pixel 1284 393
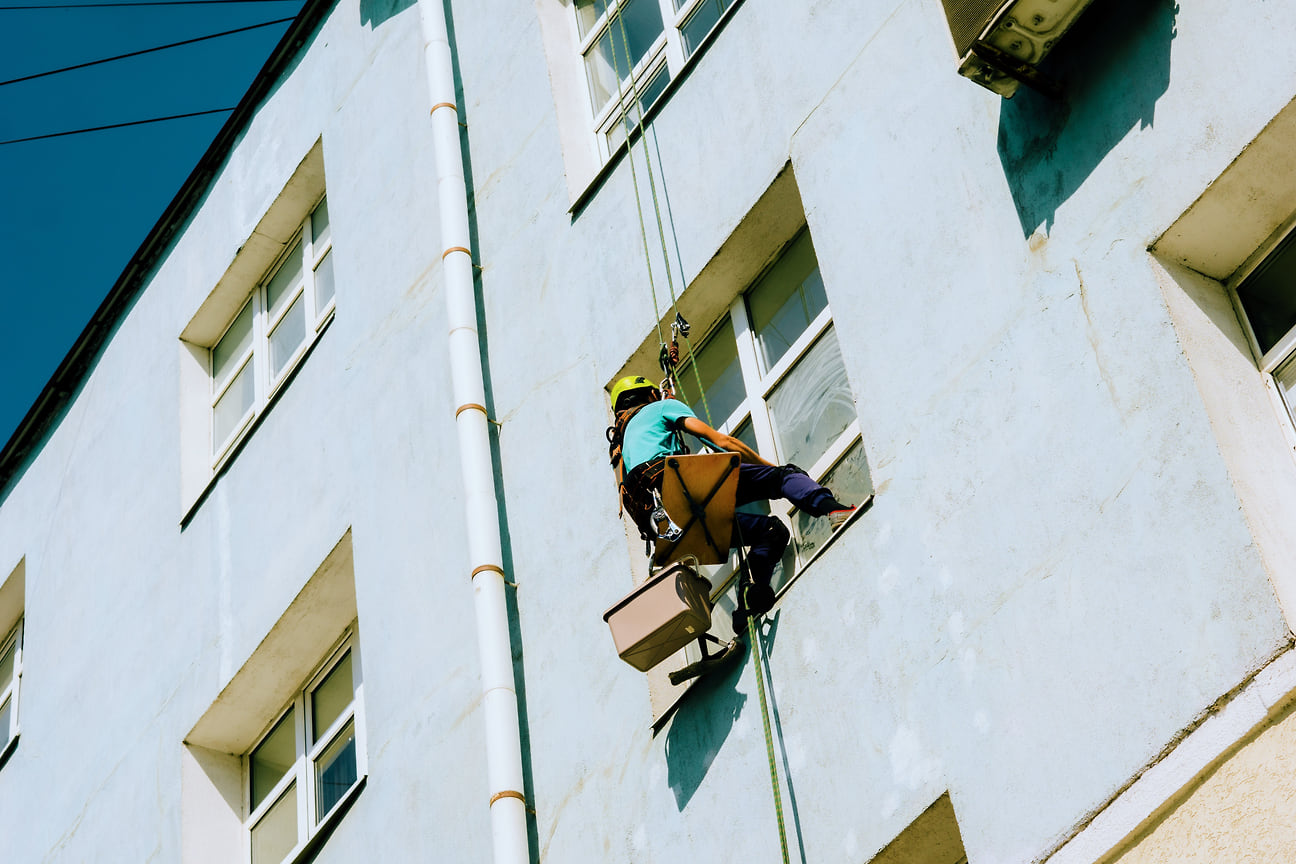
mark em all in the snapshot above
pixel 72 370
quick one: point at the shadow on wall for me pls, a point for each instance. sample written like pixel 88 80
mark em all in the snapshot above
pixel 704 720
pixel 376 12
pixel 700 727
pixel 1113 66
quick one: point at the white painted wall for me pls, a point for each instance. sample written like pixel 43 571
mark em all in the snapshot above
pixel 1056 576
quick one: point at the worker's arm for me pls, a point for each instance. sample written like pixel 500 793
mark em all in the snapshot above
pixel 721 441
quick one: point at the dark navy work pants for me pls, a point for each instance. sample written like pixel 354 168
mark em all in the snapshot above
pixel 766 536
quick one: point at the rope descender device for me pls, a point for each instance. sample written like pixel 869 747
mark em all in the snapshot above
pixel 669 357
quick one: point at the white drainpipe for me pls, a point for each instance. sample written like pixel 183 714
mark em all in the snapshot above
pixel 499 698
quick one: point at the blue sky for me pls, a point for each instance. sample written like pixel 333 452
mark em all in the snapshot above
pixel 74 209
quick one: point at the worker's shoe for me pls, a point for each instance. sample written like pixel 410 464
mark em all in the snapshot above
pixel 837 518
pixel 755 601
pixel 759 599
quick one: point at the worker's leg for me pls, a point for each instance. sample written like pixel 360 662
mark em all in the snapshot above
pixel 766 538
pixel 764 482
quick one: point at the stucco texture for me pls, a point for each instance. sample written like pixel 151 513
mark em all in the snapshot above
pixel 1242 810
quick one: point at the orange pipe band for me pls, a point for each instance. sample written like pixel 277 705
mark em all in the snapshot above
pixel 508 793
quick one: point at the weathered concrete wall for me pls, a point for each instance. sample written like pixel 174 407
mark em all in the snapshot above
pixel 1055 577
pixel 134 624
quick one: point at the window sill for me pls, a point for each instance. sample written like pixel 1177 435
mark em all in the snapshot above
pixel 8 750
pixel 618 153
pixel 860 509
pixel 310 849
pixel 659 722
pixel 231 452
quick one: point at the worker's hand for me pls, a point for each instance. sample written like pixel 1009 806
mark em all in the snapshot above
pixel 789 468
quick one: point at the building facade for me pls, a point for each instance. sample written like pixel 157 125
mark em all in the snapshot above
pixel 1043 342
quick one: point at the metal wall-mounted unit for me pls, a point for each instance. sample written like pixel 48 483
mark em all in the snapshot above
pixel 1001 43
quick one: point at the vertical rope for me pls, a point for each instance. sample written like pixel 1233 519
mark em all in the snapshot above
pixel 752 636
pixel 670 282
pixel 652 186
pixel 634 179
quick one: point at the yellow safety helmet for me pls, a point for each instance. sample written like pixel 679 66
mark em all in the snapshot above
pixel 629 384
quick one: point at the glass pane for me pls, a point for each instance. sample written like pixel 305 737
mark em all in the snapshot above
pixel 606 61
pixel 812 405
pixel 700 23
pixel 786 299
pixel 233 406
pixel 1285 376
pixel 1268 295
pixel 647 96
pixel 7 666
pixel 850 482
pixel 272 759
pixel 331 697
pixel 588 12
pixel 324 282
pixel 286 278
pixel 747 434
pixel 276 834
pixel 6 718
pixel 335 771
pixel 717 365
pixel 320 233
pixel 289 333
pixel 230 349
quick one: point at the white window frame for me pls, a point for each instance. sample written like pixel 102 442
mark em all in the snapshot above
pixel 13 639
pixel 667 51
pixel 266 384
pixel 309 823
pixel 1284 350
pixel 759 386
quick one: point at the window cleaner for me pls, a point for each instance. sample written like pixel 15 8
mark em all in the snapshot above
pixel 649 427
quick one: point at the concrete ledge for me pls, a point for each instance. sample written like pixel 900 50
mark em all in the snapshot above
pixel 1159 787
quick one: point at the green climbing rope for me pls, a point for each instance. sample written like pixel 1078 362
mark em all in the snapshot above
pixel 652 186
pixel 670 283
pixel 769 736
pixel 634 179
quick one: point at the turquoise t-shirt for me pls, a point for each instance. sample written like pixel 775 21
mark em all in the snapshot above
pixel 655 431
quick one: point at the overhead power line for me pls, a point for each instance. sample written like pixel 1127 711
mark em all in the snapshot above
pixel 146 51
pixel 114 5
pixel 116 125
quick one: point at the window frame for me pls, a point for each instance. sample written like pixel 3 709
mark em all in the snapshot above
pixel 266 383
pixel 310 823
pixel 12 690
pixel 758 387
pixel 1283 352
pixel 667 51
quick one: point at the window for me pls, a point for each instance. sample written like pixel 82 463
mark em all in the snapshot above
pixel 10 675
pixel 274 763
pixel 634 48
pixel 772 375
pixel 1267 298
pixel 272 330
pixel 301 771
